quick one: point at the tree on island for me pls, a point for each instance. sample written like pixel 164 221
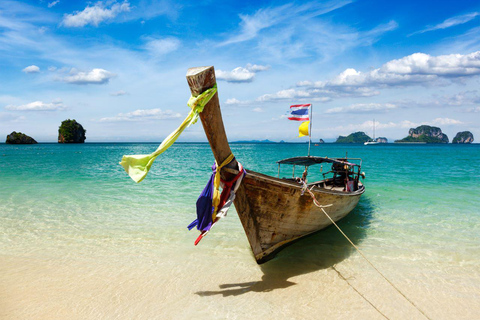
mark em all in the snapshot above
pixel 356 137
pixel 426 134
pixel 70 131
pixel 463 137
pixel 19 138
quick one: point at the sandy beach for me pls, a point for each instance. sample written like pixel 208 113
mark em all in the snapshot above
pixel 196 284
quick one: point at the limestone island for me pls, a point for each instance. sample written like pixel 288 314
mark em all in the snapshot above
pixel 381 140
pixel 321 141
pixel 70 131
pixel 463 137
pixel 19 138
pixel 425 134
pixel 356 137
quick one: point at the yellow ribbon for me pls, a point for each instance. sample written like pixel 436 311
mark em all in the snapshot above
pixel 216 185
pixel 137 166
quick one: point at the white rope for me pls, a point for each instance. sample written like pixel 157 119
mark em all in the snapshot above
pixel 341 276
pixel 359 251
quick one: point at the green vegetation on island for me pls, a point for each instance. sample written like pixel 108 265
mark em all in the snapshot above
pixel 19 138
pixel 70 131
pixel 426 134
pixel 356 137
pixel 463 137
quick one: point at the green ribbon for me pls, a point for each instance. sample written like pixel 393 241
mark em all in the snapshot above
pixel 137 166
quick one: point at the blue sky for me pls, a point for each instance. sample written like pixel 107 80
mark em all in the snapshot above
pixel 118 67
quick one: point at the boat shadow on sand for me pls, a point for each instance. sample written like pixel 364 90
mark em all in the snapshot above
pixel 318 251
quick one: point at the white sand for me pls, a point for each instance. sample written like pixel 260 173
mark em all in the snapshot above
pixel 212 285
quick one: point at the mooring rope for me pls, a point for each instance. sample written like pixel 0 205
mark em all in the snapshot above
pixel 361 253
pixel 345 279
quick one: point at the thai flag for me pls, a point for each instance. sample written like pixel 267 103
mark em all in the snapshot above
pixel 299 112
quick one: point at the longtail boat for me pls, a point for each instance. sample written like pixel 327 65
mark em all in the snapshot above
pixel 275 212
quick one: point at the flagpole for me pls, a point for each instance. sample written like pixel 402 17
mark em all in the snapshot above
pixel 310 130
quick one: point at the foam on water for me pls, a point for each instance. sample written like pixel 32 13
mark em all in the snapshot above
pixel 78 237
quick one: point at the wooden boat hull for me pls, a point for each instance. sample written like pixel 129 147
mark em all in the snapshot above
pixel 274 212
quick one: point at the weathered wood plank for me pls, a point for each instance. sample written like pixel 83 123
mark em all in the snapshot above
pixel 273 211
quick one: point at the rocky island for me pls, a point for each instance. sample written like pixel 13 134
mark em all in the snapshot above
pixel 425 134
pixel 70 131
pixel 381 140
pixel 356 137
pixel 463 137
pixel 19 138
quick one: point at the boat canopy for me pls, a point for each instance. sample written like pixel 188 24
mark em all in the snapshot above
pixel 308 161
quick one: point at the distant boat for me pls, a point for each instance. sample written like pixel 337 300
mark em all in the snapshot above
pixel 374 141
pixel 275 211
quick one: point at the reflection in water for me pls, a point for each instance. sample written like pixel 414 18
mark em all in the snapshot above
pixel 319 251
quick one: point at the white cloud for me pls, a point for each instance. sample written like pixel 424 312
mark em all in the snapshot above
pixel 256 67
pixel 118 93
pixel 285 32
pixel 258 110
pixel 233 101
pixel 363 108
pixel 162 46
pixel 143 115
pixel 53 3
pixel 473 110
pixel 94 15
pixel 236 75
pixel 252 25
pixel 241 74
pixel 55 105
pixel 462 98
pixel 95 76
pixel 453 65
pixel 451 22
pixel 415 69
pixel 445 122
pixel 281 117
pixel 31 69
pixel 288 94
pixel 412 69
pixel 305 83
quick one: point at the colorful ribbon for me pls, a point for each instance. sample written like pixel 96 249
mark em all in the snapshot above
pixel 137 166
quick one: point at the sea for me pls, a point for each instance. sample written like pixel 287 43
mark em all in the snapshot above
pixel 80 240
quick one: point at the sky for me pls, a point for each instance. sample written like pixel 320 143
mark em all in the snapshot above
pixel 118 67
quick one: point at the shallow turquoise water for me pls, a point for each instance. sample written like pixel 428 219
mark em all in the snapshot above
pixel 419 216
pixel 427 194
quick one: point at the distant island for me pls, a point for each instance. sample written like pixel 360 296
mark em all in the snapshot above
pixel 257 141
pixel 463 137
pixel 70 131
pixel 356 137
pixel 424 134
pixel 19 138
